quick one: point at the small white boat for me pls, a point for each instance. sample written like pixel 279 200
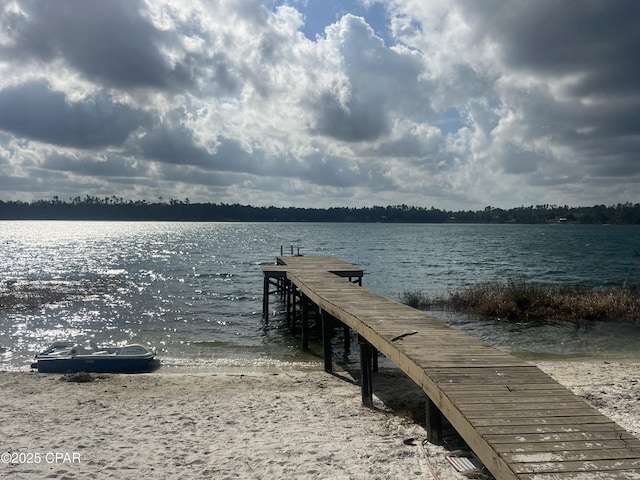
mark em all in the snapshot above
pixel 63 357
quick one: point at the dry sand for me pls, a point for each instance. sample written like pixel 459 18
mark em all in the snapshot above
pixel 296 424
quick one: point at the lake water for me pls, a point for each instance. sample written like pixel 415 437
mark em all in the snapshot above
pixel 194 290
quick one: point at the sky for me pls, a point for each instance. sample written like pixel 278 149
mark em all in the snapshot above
pixel 455 104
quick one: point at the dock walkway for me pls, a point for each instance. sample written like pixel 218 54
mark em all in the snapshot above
pixel 520 422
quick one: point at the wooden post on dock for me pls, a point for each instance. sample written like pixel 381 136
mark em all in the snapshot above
pixel 374 358
pixel 365 371
pixel 289 287
pixel 347 340
pixel 292 318
pixel 265 300
pixel 433 423
pixel 305 322
pixel 327 333
pixel 294 309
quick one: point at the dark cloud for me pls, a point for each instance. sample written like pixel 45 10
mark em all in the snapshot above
pixel 515 160
pixel 176 145
pixel 355 122
pixel 15 183
pixel 615 118
pixel 171 144
pixel 586 51
pixel 330 172
pixel 422 148
pixel 224 75
pixel 107 166
pixel 547 36
pixel 190 175
pixel 5 149
pixel 34 111
pixel 230 156
pixel 108 41
pixel 184 160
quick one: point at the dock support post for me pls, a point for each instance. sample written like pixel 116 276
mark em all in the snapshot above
pixel 292 318
pixel 347 340
pixel 374 358
pixel 327 332
pixel 366 375
pixel 289 288
pixel 305 322
pixel 434 423
pixel 265 300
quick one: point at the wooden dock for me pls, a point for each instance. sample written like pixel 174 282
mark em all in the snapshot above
pixel 520 422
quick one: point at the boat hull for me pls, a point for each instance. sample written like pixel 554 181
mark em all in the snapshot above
pixel 96 365
pixel 64 357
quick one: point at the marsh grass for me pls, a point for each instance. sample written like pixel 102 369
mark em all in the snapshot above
pixel 522 301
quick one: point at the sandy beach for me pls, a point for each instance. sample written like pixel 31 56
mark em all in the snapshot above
pixel 294 424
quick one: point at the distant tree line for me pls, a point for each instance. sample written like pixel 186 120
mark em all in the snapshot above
pixel 117 208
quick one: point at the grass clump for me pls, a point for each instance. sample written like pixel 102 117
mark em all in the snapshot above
pixel 416 299
pixel 519 300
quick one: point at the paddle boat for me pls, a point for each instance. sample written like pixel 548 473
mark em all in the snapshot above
pixel 64 357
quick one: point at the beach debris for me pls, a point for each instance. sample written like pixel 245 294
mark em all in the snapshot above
pixel 468 465
pixel 77 377
pixel 405 334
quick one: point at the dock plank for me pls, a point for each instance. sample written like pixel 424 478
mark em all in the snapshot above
pixel 520 422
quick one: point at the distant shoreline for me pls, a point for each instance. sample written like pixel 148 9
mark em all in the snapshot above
pixel 118 209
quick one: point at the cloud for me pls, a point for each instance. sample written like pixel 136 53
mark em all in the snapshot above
pixel 455 104
pixel 171 145
pixel 417 143
pixel 107 166
pixel 380 82
pixel 34 111
pixel 108 42
pixel 584 53
pixel 354 122
pixel 590 38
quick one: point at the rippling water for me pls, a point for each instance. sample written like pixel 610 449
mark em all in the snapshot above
pixel 194 290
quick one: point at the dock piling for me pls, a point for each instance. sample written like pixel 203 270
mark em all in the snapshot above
pixel 347 340
pixel 265 300
pixel 433 423
pixel 305 322
pixel 327 333
pixel 365 371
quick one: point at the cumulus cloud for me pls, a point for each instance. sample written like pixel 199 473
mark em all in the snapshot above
pixel 457 104
pixel 102 166
pixel 109 42
pixel 34 111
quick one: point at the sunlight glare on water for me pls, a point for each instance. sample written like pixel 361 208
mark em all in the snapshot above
pixel 194 290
